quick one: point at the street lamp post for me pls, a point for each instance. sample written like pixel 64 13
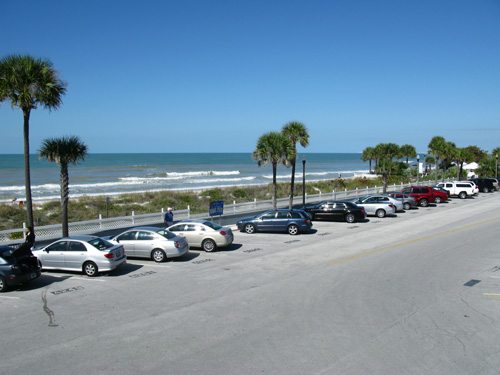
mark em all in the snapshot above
pixel 418 166
pixel 496 166
pixel 303 181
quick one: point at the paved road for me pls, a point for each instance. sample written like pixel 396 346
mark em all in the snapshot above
pixel 414 294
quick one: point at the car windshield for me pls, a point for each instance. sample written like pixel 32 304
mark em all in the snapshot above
pixel 166 233
pixel 100 244
pixel 212 225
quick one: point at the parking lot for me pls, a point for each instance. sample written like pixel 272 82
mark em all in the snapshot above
pixel 148 315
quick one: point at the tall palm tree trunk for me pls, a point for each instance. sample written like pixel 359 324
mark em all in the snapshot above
pixel 27 177
pixel 275 186
pixel 64 198
pixel 292 188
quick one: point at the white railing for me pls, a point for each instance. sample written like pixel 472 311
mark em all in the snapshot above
pixel 48 232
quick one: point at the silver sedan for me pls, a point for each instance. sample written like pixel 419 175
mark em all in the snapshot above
pixel 408 201
pixel 87 254
pixel 398 203
pixel 374 207
pixel 151 242
pixel 203 233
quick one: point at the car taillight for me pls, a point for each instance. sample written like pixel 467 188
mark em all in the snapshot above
pixel 362 211
pixel 177 244
pixel 109 255
pixel 223 232
pixel 391 206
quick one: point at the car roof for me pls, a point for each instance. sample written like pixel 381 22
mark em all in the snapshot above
pixel 151 228
pixel 83 237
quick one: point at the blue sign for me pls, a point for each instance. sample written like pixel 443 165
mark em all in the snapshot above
pixel 216 208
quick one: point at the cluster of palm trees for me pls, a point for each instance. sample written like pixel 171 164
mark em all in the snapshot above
pixel 443 152
pixel 281 148
pixel 28 82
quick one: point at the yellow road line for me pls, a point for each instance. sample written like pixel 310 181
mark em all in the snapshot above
pixel 412 241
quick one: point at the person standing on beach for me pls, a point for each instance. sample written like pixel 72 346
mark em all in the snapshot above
pixel 169 217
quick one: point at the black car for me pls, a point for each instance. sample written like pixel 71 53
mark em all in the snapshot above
pixel 281 220
pixel 17 266
pixel 336 210
pixel 484 184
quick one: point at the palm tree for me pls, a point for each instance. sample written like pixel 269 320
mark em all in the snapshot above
pixel 449 154
pixel 63 151
pixel 407 151
pixel 436 147
pixel 28 82
pixel 295 132
pixel 368 155
pixel 386 152
pixel 274 148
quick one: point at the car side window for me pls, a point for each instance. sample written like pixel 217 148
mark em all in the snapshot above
pixel 59 246
pixel 340 205
pixel 199 228
pixel 145 236
pixel 296 215
pixel 128 236
pixel 268 216
pixel 176 228
pixel 282 215
pixel 76 246
pixel 424 190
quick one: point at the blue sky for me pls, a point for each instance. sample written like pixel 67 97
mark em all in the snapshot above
pixel 212 76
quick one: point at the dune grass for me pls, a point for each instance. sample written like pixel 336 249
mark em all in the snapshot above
pixel 89 208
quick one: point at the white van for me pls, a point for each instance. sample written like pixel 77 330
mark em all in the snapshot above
pixel 462 189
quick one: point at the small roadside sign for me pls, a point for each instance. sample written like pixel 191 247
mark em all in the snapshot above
pixel 216 208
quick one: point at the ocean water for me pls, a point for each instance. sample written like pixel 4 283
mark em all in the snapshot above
pixel 114 174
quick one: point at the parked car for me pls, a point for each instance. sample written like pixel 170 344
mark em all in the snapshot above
pixel 441 190
pixel 408 202
pixel 203 233
pixel 496 185
pixel 336 210
pixel 484 184
pixel 87 254
pixel 456 188
pixel 440 196
pixel 281 220
pixel 373 206
pixel 153 243
pixel 423 194
pixel 474 186
pixel 384 198
pixel 17 267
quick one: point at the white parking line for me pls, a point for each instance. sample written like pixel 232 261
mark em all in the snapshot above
pixel 7 297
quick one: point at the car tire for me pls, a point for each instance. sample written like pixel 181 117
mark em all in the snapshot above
pixel 158 255
pixel 424 202
pixel 380 213
pixel 486 190
pixel 438 200
pixel 350 218
pixel 462 195
pixel 249 228
pixel 90 269
pixel 208 245
pixel 3 285
pixel 293 229
pixel 407 206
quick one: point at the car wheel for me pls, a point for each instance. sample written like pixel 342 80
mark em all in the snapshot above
pixel 407 206
pixel 208 245
pixel 486 190
pixel 424 202
pixel 293 229
pixel 462 195
pixel 350 218
pixel 3 285
pixel 158 255
pixel 90 269
pixel 380 213
pixel 437 200
pixel 249 228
